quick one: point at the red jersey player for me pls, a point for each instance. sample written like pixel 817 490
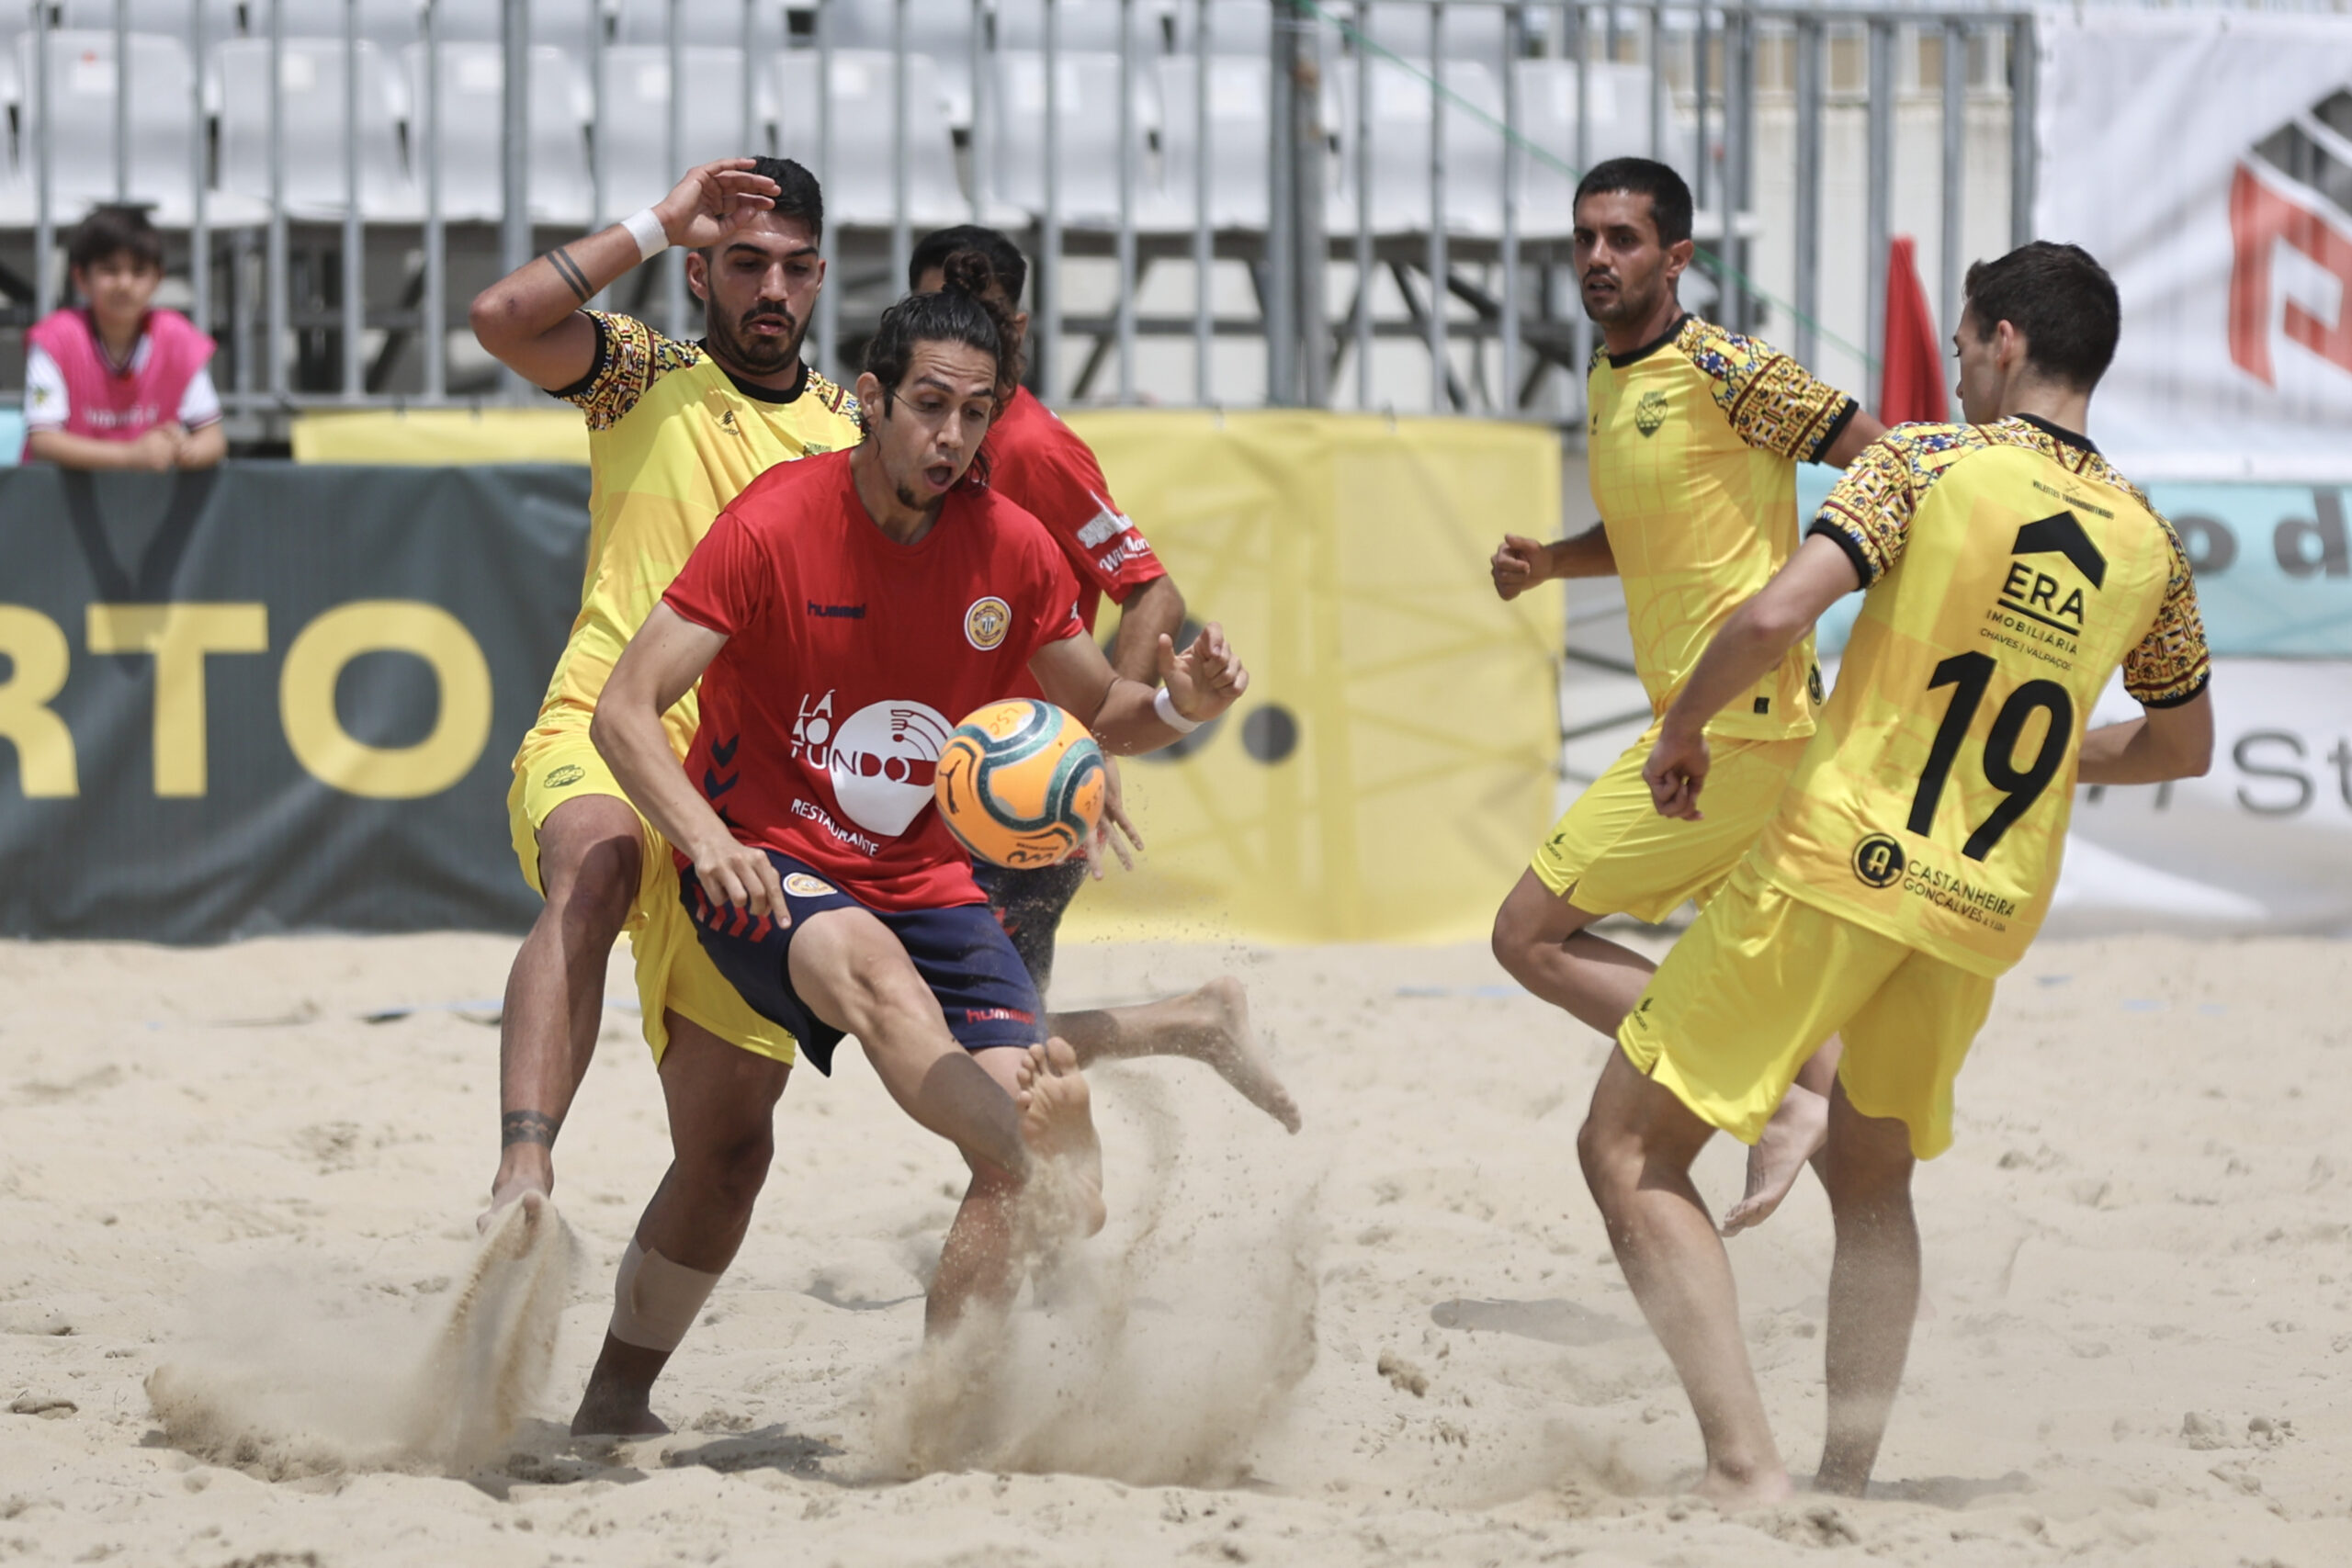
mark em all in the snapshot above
pixel 843 612
pixel 1040 465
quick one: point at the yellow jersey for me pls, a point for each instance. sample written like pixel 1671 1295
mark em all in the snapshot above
pixel 2010 572
pixel 672 439
pixel 1693 451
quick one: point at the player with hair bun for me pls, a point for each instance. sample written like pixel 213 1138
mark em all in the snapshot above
pixel 841 617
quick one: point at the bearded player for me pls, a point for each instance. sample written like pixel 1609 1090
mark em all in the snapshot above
pixel 2011 571
pixel 891 589
pixel 1694 440
pixel 1042 467
pixel 674 430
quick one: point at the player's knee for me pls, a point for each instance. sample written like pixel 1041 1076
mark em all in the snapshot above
pixel 593 883
pixel 730 1173
pixel 1602 1149
pixel 1866 1182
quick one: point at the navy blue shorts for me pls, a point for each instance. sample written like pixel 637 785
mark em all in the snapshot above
pixel 961 952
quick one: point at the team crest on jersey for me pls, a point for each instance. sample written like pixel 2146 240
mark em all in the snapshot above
pixel 1650 413
pixel 801 884
pixel 1878 861
pixel 986 622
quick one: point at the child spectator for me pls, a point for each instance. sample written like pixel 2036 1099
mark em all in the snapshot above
pixel 114 383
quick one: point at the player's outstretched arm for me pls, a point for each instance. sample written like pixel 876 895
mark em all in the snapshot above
pixel 2162 743
pixel 1521 563
pixel 530 319
pixel 1743 653
pixel 665 658
pixel 1126 717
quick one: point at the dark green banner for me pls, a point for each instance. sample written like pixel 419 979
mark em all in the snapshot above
pixel 273 697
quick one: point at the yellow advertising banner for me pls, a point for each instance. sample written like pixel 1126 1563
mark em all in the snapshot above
pixel 442 439
pixel 1392 763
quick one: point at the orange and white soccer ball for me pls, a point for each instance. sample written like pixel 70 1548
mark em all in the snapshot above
pixel 1021 784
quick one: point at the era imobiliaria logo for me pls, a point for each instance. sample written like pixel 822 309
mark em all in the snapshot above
pixel 2293 188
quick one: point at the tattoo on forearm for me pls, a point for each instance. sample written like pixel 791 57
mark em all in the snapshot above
pixel 568 270
pixel 527 1127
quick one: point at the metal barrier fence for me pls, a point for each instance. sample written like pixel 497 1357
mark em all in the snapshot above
pixel 344 173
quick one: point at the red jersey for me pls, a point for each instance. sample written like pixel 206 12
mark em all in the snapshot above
pixel 1039 464
pixel 849 659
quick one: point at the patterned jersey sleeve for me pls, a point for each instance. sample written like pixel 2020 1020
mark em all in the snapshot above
pixel 2171 664
pixel 630 357
pixel 1773 403
pixel 1868 510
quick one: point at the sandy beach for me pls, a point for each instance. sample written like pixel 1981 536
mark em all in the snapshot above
pixel 1398 1337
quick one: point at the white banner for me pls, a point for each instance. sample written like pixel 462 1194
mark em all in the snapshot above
pixel 2205 158
pixel 2261 844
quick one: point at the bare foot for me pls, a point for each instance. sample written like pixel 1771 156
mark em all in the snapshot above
pixel 1794 1136
pixel 1731 1493
pixel 1231 1046
pixel 1058 1123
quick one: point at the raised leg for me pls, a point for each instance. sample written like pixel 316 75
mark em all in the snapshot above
pixel 722 1100
pixel 591 854
pixel 1541 938
pixel 1636 1146
pixel 1210 1025
pixel 1794 1136
pixel 1873 1287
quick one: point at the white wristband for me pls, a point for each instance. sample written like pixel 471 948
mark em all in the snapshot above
pixel 646 229
pixel 1165 706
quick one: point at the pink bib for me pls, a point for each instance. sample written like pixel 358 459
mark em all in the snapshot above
pixel 121 405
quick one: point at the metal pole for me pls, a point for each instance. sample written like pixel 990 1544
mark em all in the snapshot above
pixel 753 143
pixel 1514 39
pixel 436 249
pixel 902 236
pixel 1310 249
pixel 44 213
pixel 1365 275
pixel 1702 184
pixel 1049 264
pixel 1436 261
pixel 828 308
pixel 1583 329
pixel 1127 175
pixel 1807 218
pixel 1739 155
pixel 1653 30
pixel 122 99
pixel 1203 245
pixel 355 277
pixel 599 115
pixel 1879 190
pixel 199 237
pixel 983 109
pixel 274 334
pixel 514 99
pixel 673 146
pixel 1955 190
pixel 2024 102
pixel 1280 292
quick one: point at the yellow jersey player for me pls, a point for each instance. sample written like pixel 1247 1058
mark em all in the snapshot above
pixel 1692 448
pixel 2011 571
pixel 675 430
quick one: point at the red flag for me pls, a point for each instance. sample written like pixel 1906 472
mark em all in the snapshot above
pixel 1911 379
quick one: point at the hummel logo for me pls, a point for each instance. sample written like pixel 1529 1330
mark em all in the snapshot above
pixel 843 612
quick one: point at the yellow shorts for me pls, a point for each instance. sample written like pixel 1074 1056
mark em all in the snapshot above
pixel 674 974
pixel 1612 853
pixel 1752 990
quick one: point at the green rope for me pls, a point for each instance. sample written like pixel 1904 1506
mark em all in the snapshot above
pixel 1723 267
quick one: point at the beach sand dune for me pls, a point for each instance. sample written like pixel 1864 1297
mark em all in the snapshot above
pixel 245 1319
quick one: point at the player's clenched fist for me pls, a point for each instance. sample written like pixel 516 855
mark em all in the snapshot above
pixel 1519 565
pixel 1207 678
pixel 1676 771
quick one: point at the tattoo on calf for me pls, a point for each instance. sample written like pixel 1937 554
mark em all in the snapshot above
pixel 568 270
pixel 527 1127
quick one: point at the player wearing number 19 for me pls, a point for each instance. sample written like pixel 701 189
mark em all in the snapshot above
pixel 2010 572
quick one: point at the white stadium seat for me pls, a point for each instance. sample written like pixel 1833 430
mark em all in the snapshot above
pixel 1473 195
pixel 311 96
pixel 82 95
pixel 1238 107
pixel 1547 117
pixel 633 154
pixel 941 29
pixel 860 186
pixel 1087 110
pixel 472 79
